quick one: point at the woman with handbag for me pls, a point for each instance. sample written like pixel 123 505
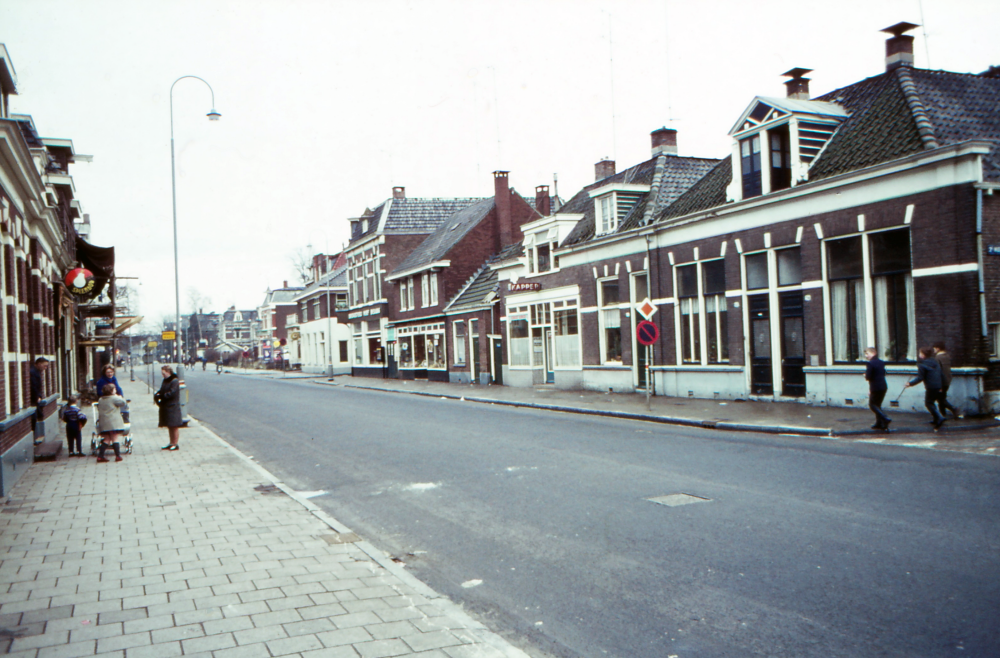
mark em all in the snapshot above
pixel 168 398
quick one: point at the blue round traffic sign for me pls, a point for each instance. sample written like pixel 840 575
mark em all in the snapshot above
pixel 646 332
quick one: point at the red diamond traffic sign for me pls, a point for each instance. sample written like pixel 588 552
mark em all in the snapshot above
pixel 646 308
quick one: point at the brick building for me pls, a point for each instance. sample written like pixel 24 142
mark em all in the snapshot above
pixel 40 246
pixel 320 337
pixel 864 217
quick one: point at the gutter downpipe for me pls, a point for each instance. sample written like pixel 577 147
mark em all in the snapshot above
pixel 984 327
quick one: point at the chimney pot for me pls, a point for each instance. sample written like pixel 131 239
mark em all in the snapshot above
pixel 501 198
pixel 604 168
pixel 399 193
pixel 899 48
pixel 285 284
pixel 798 87
pixel 664 140
pixel 542 200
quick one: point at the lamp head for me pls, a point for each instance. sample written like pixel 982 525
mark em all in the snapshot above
pixel 213 115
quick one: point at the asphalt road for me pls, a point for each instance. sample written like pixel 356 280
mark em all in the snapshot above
pixel 805 547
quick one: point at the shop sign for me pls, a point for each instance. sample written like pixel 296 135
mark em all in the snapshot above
pixel 521 287
pixel 168 335
pixel 993 249
pixel 80 281
pixel 511 317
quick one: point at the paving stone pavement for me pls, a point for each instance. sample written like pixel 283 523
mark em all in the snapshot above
pixel 200 552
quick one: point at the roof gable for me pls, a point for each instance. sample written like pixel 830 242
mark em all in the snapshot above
pixel 448 234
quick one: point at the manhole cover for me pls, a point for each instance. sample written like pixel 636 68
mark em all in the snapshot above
pixel 678 499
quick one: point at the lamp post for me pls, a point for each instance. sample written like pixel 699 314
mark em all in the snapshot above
pixel 212 116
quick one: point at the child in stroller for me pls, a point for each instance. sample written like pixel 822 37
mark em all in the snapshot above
pixel 113 427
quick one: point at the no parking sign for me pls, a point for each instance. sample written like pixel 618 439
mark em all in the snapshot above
pixel 647 333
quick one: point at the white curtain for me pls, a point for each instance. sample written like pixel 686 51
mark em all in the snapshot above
pixel 911 321
pixel 567 350
pixel 838 308
pixel 882 340
pixel 860 306
pixel 520 351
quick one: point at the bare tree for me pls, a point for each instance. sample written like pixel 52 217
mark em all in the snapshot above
pixel 301 260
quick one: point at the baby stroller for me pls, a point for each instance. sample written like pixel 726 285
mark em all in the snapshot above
pixel 124 440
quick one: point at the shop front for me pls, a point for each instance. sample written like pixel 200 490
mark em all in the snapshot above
pixel 420 350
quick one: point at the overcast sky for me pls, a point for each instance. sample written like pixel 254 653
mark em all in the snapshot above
pixel 327 105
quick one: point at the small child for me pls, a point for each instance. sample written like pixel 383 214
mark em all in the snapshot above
pixel 75 420
pixel 109 421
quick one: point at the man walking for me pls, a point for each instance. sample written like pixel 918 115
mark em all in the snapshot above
pixel 37 391
pixel 944 360
pixel 929 372
pixel 875 374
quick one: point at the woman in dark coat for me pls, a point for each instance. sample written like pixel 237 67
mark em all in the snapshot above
pixel 169 400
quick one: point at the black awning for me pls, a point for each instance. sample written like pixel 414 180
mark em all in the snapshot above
pixel 99 260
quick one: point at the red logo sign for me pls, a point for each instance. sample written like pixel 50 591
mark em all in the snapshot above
pixel 647 333
pixel 80 281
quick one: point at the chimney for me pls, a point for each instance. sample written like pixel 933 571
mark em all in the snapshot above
pixel 284 284
pixel 501 196
pixel 604 168
pixel 899 48
pixel 542 200
pixel 664 141
pixel 798 87
pixel 399 193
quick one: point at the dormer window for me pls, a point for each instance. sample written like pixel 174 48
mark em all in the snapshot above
pixel 612 204
pixel 540 248
pixel 776 139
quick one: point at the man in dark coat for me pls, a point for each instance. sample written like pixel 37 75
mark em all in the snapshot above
pixel 929 372
pixel 875 374
pixel 37 390
pixel 944 360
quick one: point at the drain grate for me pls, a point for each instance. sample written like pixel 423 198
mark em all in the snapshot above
pixel 678 499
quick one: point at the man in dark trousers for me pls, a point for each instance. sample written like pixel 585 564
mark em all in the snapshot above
pixel 37 391
pixel 929 372
pixel 875 374
pixel 941 356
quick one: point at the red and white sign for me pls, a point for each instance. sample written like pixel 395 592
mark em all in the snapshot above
pixel 79 280
pixel 520 287
pixel 646 308
pixel 647 333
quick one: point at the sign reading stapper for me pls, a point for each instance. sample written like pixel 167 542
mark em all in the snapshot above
pixel 522 287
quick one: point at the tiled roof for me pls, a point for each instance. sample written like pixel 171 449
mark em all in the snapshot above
pixel 446 235
pixel 708 192
pixel 678 174
pixel 423 215
pixel 476 290
pixel 963 106
pixel 892 115
pixel 880 128
pixel 283 295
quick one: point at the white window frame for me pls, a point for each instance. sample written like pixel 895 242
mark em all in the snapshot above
pixel 605 214
pixel 409 297
pixel 601 309
pixel 459 342
pixel 402 294
pixel 424 291
pixel 434 288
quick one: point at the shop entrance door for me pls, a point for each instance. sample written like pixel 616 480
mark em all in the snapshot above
pixel 793 351
pixel 496 357
pixel 761 378
pixel 390 356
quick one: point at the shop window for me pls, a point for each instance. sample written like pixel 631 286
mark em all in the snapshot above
pixel 610 320
pixel 687 294
pixel 406 352
pixel 789 266
pixel 375 351
pixel 343 351
pixel 713 275
pixel 756 265
pixel 460 343
pixel 847 298
pixel 892 286
pixel 750 166
pixel 567 338
pixel 520 343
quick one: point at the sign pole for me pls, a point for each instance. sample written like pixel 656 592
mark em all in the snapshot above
pixel 649 382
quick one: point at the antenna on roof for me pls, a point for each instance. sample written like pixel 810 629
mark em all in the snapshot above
pixel 923 24
pixel 611 67
pixel 666 48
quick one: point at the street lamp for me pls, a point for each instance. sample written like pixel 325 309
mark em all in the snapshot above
pixel 212 116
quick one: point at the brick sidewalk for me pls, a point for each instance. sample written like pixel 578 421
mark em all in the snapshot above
pixel 199 552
